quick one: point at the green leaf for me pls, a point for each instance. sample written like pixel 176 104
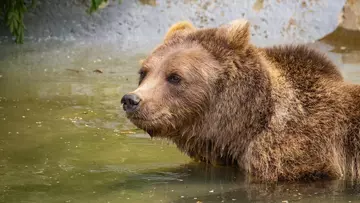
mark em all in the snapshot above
pixel 21 36
pixel 95 5
pixel 11 27
pixel 15 23
pixel 11 15
pixel 18 30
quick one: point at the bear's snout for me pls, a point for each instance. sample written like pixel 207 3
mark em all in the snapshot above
pixel 130 102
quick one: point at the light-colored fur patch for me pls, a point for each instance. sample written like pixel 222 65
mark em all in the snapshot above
pixel 182 26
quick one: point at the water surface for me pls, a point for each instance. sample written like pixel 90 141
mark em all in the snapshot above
pixel 64 137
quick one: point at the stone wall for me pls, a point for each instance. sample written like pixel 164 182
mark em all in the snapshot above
pixel 137 25
pixel 351 15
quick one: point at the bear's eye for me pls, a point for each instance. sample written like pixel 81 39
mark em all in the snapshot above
pixel 142 74
pixel 174 79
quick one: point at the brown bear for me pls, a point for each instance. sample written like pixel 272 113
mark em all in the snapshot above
pixel 278 113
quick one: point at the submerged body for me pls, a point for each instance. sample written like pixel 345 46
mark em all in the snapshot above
pixel 278 113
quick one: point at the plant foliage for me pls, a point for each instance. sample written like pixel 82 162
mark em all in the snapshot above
pixel 12 12
pixel 95 4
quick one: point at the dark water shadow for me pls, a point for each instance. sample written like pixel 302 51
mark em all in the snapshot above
pixel 191 173
pixel 321 191
pixel 197 181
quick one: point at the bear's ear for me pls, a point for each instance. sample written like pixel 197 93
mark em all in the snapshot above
pixel 179 28
pixel 237 33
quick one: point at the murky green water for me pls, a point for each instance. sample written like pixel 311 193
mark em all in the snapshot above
pixel 64 137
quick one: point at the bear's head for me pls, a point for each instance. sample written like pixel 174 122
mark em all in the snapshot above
pixel 197 82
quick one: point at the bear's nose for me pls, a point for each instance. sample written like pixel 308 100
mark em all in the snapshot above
pixel 130 102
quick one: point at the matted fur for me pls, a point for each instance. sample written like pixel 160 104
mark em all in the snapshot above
pixel 278 113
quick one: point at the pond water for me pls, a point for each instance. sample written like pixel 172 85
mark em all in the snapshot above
pixel 64 137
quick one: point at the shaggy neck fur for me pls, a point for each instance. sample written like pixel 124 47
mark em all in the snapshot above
pixel 243 121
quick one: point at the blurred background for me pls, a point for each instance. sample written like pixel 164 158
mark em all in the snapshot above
pixel 64 65
pixel 140 24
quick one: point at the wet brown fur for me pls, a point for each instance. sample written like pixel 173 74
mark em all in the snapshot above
pixel 278 113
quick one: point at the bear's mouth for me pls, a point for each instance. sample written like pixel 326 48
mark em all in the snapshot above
pixel 149 125
pixel 153 120
pixel 146 120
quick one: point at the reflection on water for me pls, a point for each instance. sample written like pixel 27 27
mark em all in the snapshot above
pixel 64 137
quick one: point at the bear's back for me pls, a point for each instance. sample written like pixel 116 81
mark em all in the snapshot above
pixel 314 78
pixel 303 66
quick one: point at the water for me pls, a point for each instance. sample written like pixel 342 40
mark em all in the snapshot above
pixel 64 137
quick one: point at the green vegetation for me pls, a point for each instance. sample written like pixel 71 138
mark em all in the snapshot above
pixel 12 13
pixel 96 4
